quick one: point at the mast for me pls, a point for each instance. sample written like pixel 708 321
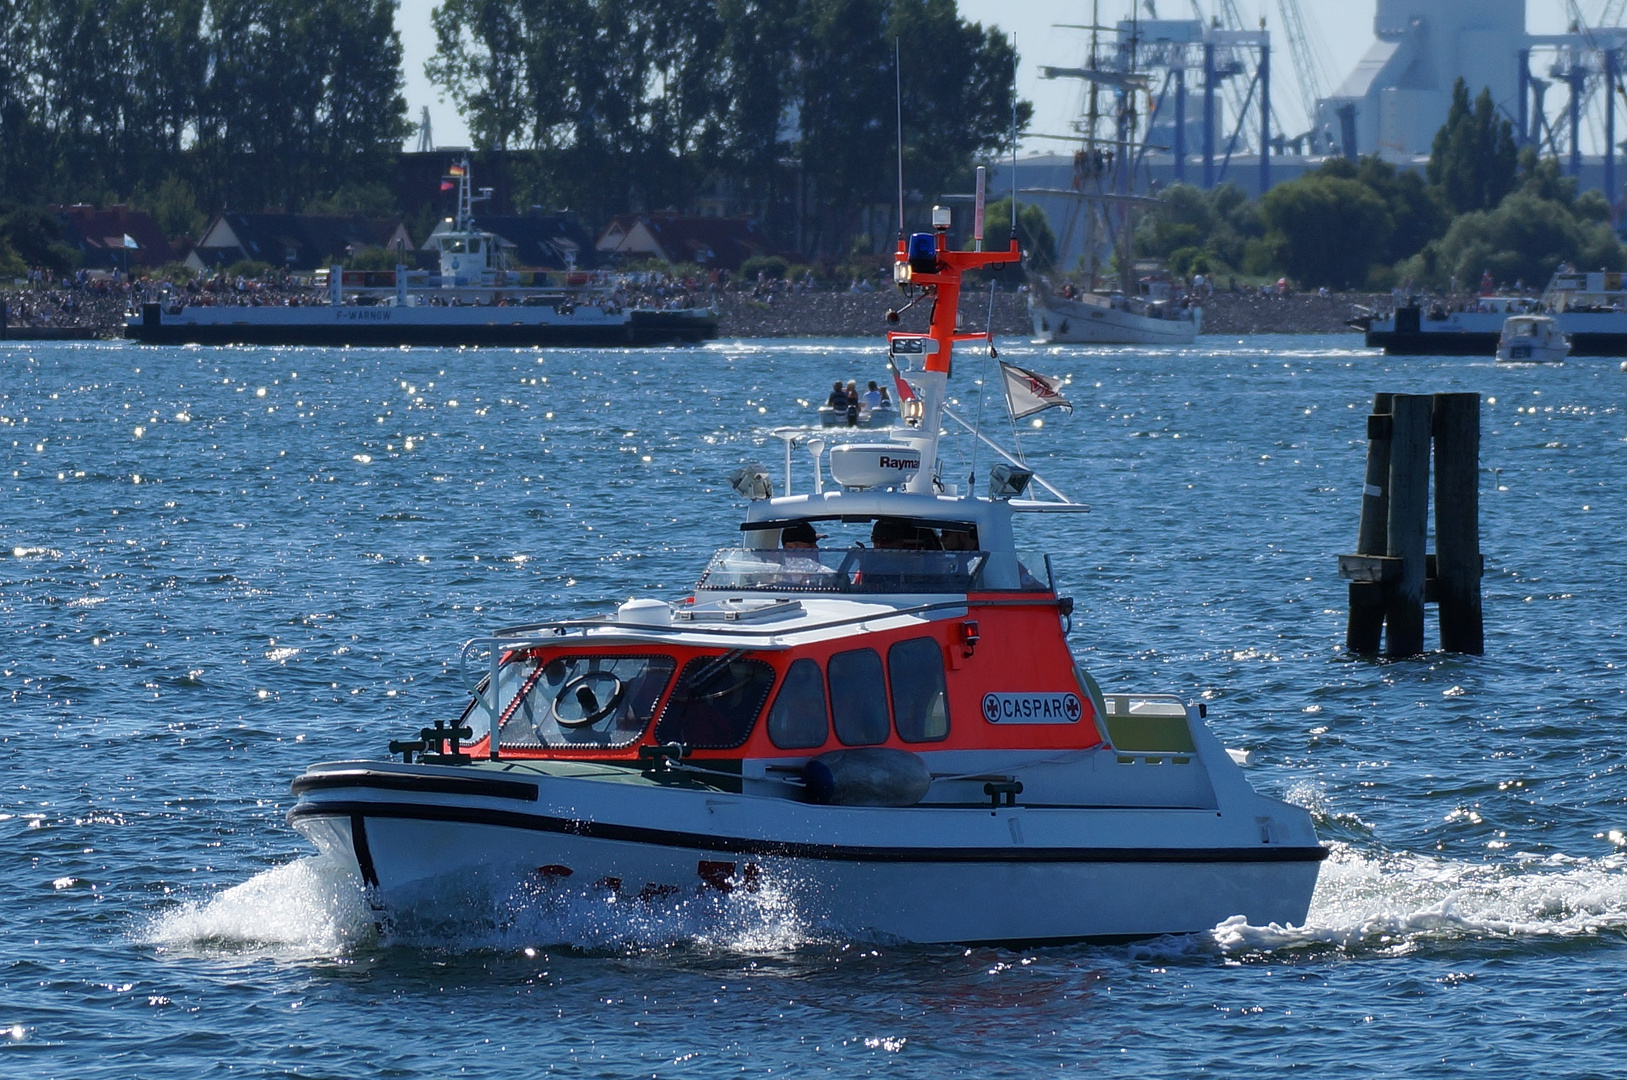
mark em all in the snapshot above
pixel 1092 162
pixel 1125 161
pixel 925 262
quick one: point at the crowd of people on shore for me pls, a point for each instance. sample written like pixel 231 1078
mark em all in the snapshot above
pixel 98 302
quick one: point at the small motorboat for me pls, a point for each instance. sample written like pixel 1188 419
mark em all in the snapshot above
pixel 884 415
pixel 1532 339
pixel 892 734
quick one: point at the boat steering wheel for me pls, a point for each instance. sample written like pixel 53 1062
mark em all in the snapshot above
pixel 578 703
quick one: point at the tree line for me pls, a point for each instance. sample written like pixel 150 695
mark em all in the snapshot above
pixel 239 103
pixel 781 108
pixel 1482 206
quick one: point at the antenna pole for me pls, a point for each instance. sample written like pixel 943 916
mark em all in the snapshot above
pixel 898 88
pixel 1014 135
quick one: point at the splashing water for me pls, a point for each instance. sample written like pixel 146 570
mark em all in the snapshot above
pixel 309 907
pixel 314 907
pixel 1400 902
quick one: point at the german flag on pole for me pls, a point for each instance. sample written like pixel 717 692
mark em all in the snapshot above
pixel 456 170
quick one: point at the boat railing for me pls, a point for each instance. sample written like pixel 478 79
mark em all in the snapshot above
pixel 851 570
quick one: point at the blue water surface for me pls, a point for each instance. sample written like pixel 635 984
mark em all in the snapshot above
pixel 220 565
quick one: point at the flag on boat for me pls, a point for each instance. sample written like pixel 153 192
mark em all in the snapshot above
pixel 906 392
pixel 1028 393
pixel 456 170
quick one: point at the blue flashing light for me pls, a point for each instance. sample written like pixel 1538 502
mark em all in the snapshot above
pixel 923 253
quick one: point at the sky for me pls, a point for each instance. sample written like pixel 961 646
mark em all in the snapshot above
pixel 1341 31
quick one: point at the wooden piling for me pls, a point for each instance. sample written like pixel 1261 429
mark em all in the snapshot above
pixel 1365 628
pixel 1457 522
pixel 1407 521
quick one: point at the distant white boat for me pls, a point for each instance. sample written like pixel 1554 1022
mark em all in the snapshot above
pixel 1532 339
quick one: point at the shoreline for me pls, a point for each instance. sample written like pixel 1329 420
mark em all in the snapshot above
pixel 798 313
pixel 816 314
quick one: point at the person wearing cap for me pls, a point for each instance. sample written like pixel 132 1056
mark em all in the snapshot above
pixel 799 534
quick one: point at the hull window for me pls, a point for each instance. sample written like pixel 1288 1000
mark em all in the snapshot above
pixel 716 702
pixel 920 699
pixel 798 720
pixel 858 698
pixel 579 701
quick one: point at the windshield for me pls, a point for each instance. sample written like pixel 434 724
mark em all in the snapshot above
pixel 853 570
pixel 566 702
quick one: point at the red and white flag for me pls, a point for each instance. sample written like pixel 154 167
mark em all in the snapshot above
pixel 1028 393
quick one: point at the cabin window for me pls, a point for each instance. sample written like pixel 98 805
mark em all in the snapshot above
pixel 564 702
pixel 798 719
pixel 715 702
pixel 920 699
pixel 858 697
pixel 474 247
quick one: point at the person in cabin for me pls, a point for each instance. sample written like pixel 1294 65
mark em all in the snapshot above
pixel 954 539
pixel 872 396
pixel 799 535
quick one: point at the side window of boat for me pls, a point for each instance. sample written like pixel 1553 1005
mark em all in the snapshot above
pixel 920 699
pixel 858 697
pixel 578 701
pixel 798 719
pixel 716 702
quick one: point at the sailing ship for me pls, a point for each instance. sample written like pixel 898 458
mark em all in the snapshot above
pixel 1144 306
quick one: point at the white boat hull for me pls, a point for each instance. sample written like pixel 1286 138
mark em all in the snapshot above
pixel 924 874
pixel 1059 321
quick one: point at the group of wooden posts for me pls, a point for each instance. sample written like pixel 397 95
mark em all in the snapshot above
pixel 1391 574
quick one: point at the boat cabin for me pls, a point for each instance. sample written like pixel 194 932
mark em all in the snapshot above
pixel 840 620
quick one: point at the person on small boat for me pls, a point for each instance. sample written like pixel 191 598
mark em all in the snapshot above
pixel 886 402
pixel 872 396
pixel 838 397
pixel 852 404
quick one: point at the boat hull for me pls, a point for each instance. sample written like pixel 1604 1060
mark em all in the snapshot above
pixel 429 326
pixel 1060 321
pixel 924 874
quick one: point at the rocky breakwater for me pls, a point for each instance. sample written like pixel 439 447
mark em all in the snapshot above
pixel 1252 312
pixel 816 313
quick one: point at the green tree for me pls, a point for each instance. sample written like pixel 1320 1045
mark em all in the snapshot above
pixel 1326 230
pixel 174 206
pixel 302 97
pixel 1211 228
pixel 1472 160
pixel 1034 233
pixel 1525 239
pixel 35 236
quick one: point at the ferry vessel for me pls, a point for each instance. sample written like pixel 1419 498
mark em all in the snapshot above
pixel 1588 308
pixel 892 734
pixel 475 299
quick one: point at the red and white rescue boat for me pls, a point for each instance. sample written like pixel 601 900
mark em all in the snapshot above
pixel 893 736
